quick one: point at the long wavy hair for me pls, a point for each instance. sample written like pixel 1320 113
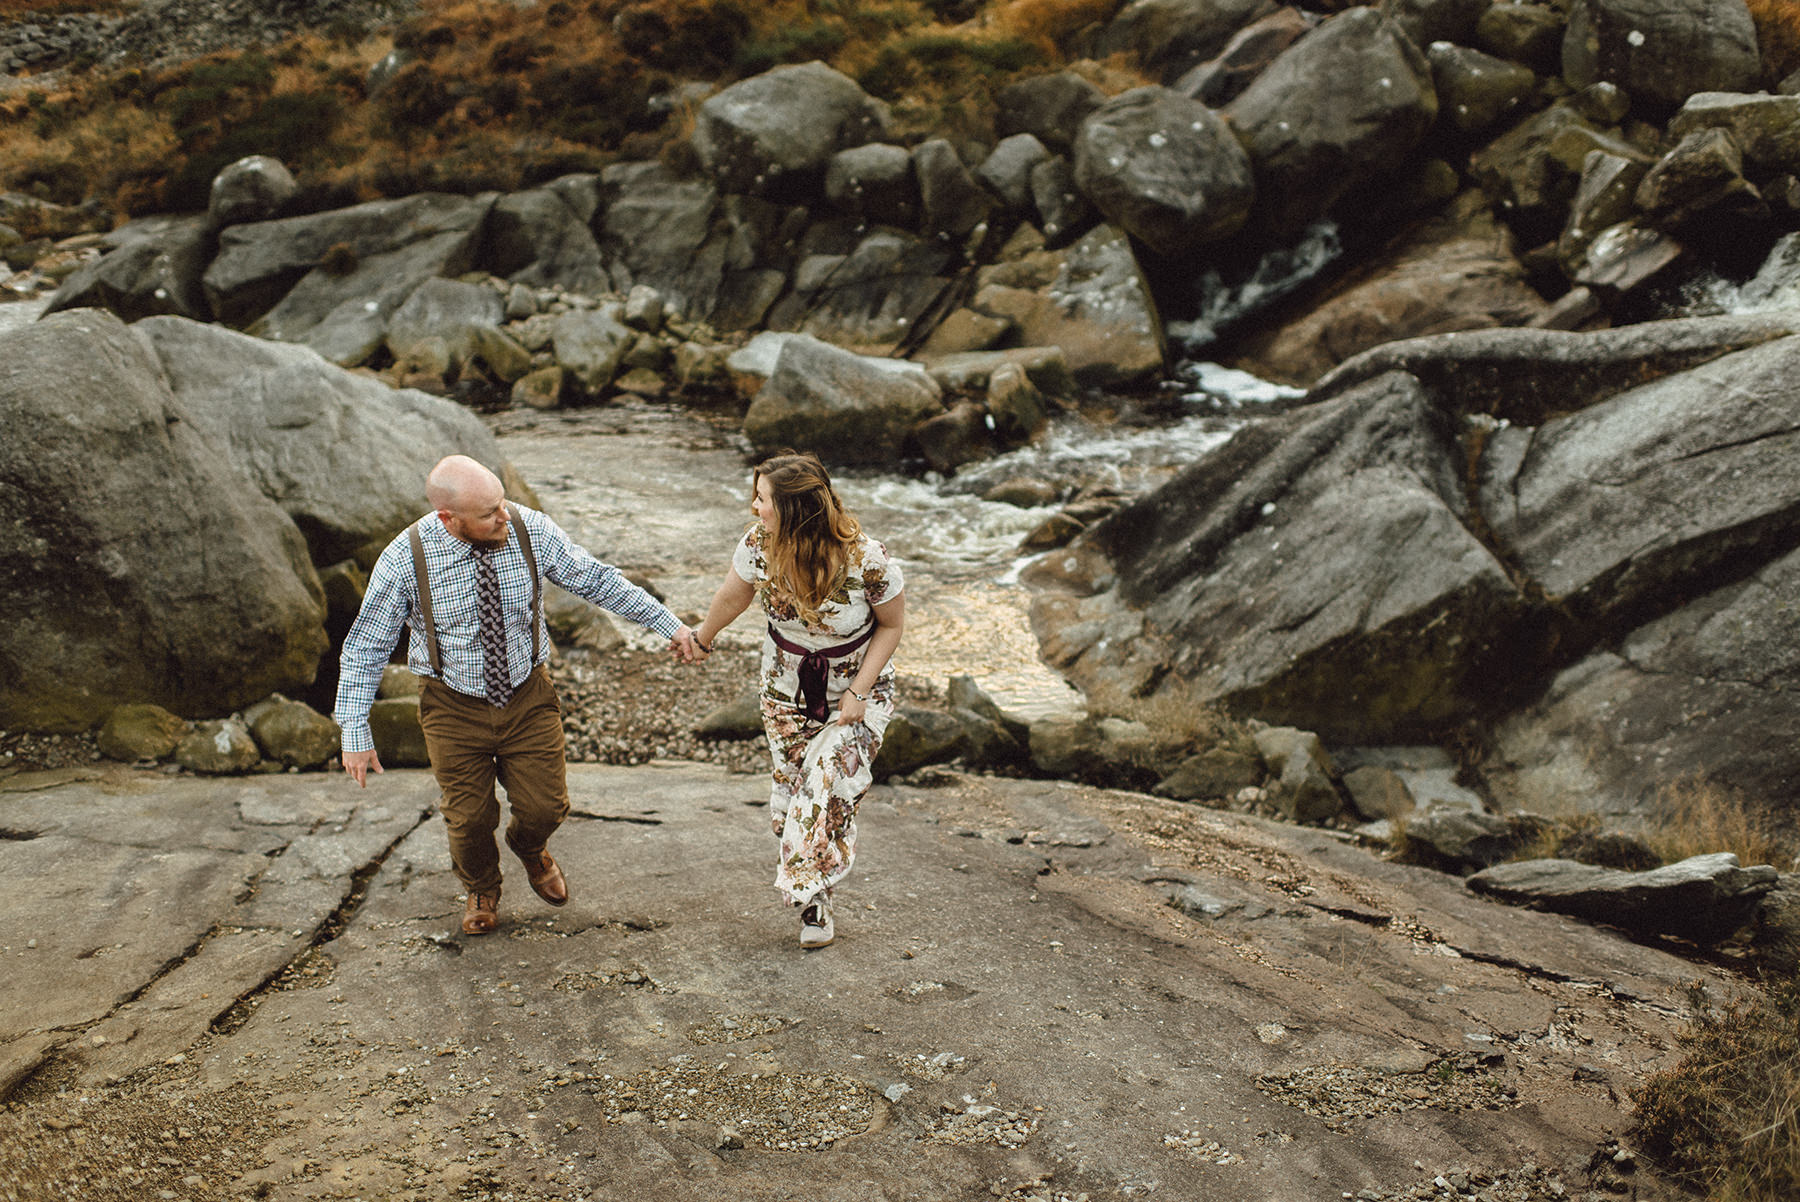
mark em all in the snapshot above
pixel 809 552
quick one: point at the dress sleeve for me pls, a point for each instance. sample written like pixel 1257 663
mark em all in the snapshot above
pixel 882 578
pixel 746 557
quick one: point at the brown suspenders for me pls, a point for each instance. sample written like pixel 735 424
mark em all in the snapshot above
pixel 424 582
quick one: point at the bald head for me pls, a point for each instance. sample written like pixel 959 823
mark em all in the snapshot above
pixel 469 499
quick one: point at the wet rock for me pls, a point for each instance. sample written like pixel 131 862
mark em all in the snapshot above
pixel 1705 898
pixel 1164 168
pixel 1428 21
pixel 1016 407
pixel 140 731
pixel 218 748
pixel 951 439
pixel 1477 91
pixel 963 331
pixel 1766 128
pixel 1526 33
pixel 1605 197
pixel 252 189
pixel 1044 366
pixel 1057 530
pixel 291 732
pixel 1702 177
pixel 1023 492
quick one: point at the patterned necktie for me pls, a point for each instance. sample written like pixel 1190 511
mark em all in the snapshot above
pixel 494 673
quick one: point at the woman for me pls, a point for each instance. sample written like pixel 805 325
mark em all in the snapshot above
pixel 835 613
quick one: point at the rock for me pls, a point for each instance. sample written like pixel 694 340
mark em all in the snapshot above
pixel 1460 841
pixel 1302 772
pixel 874 183
pixel 964 330
pixel 1526 33
pixel 1044 366
pixel 1777 938
pixel 577 622
pixel 1454 272
pixel 330 280
pixel 1605 197
pixel 1024 493
pixel 1429 21
pixel 496 353
pixel 540 239
pixel 1165 169
pixel 1018 410
pixel 342 454
pixel 1702 177
pixel 448 309
pixel 870 297
pixel 140 731
pixel 698 365
pixel 1625 257
pixel 155 267
pixel 1167 37
pixel 964 694
pixel 1477 91
pixel 1765 128
pixel 1529 183
pixel 254 188
pixel 657 228
pixel 1062 209
pixel 1220 79
pixel 1219 772
pixel 917 737
pixel 1527 376
pixel 1377 793
pixel 849 408
pixel 292 732
pixel 399 739
pixel 987 744
pixel 1092 301
pixel 1608 849
pixel 1057 530
pixel 1090 749
pixel 740 719
pixel 950 439
pixel 772 134
pixel 1662 51
pixel 952 203
pixel 540 389
pixel 521 303
pixel 644 309
pixel 1344 105
pixel 1007 170
pixel 1048 107
pixel 1244 581
pixel 218 748
pixel 146 568
pixel 1704 898
pixel 590 346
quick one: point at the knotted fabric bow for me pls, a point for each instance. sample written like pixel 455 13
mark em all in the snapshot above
pixel 813 667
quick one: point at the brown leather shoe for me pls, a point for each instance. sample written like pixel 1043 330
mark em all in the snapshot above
pixel 547 880
pixel 482 913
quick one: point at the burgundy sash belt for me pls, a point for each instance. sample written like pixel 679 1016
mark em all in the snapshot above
pixel 813 666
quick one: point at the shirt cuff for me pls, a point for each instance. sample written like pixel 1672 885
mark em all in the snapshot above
pixel 356 737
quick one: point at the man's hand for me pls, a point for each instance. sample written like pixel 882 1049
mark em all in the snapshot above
pixel 358 764
pixel 687 647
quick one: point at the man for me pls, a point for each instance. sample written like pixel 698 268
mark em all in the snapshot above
pixel 466 580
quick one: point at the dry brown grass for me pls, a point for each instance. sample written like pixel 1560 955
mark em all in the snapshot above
pixel 1778 33
pixel 1691 817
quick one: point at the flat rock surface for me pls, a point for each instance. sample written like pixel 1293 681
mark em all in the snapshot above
pixel 258 988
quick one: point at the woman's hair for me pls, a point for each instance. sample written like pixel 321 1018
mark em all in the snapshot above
pixel 810 550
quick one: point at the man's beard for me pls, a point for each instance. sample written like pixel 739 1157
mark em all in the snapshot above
pixel 491 544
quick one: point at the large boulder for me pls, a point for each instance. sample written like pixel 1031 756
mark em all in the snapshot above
pixel 153 266
pixel 542 237
pixel 1344 105
pixel 331 280
pixel 952 202
pixel 871 298
pixel 847 407
pixel 451 310
pixel 772 134
pixel 1455 272
pixel 1168 36
pixel 1316 571
pixel 1704 898
pixel 874 182
pixel 1165 169
pixel 1050 107
pixel 253 188
pixel 1090 299
pixel 137 565
pixel 1766 128
pixel 1663 51
pixel 344 455
pixel 591 345
pixel 1248 54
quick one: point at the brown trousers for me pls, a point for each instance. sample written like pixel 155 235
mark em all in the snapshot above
pixel 472 745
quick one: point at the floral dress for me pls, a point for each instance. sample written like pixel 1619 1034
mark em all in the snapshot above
pixel 821 769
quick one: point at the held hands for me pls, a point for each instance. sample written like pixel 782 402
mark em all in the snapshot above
pixel 359 763
pixel 688 648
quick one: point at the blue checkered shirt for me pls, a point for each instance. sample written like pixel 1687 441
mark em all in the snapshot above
pixel 392 603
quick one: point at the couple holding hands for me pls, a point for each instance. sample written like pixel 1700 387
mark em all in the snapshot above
pixel 466 581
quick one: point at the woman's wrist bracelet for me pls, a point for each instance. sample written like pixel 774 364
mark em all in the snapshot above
pixel 706 647
pixel 862 697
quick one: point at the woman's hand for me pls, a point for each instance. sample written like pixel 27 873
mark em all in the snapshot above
pixel 851 708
